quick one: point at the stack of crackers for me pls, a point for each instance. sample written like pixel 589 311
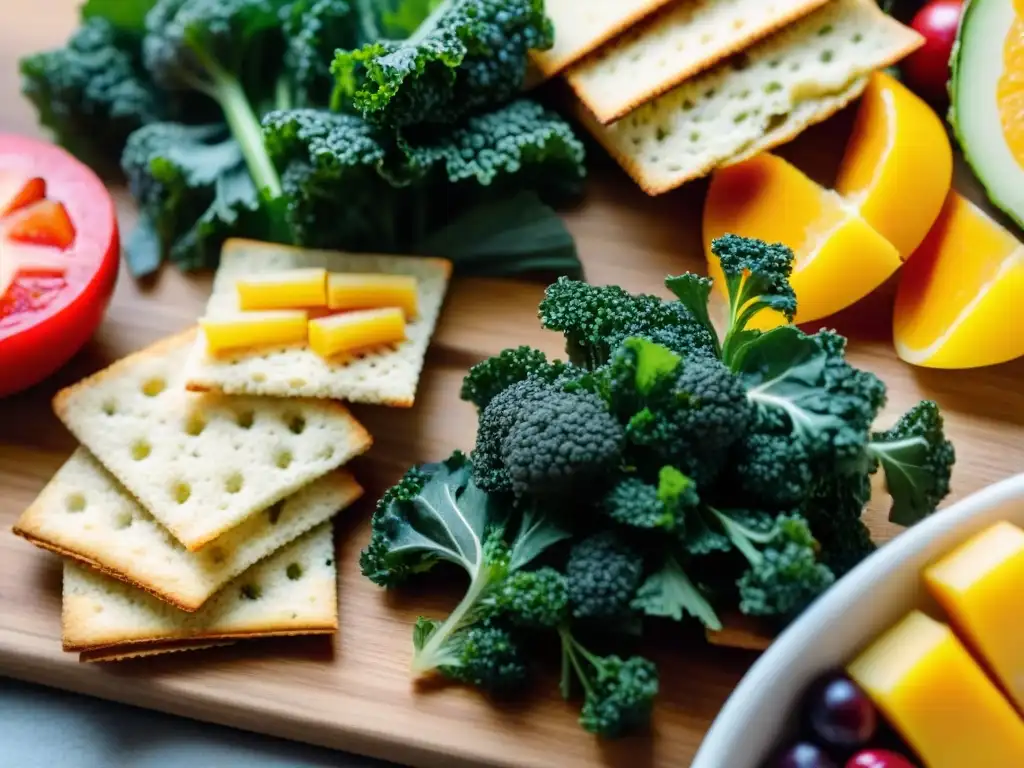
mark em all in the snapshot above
pixel 674 88
pixel 197 511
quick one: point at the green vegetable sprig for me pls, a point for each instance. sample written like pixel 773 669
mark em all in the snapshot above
pixel 664 472
pixel 391 126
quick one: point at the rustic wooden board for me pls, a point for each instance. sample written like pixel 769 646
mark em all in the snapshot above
pixel 354 692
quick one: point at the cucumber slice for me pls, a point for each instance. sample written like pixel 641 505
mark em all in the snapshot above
pixel 977 64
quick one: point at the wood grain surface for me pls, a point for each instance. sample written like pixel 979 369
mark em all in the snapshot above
pixel 354 693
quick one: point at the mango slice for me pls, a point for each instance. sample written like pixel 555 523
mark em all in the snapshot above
pixel 351 331
pixel 898 164
pixel 927 685
pixel 372 291
pixel 959 303
pixel 840 258
pixel 979 586
pixel 287 289
pixel 254 329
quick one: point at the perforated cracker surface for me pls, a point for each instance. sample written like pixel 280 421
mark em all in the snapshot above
pixel 388 376
pixel 292 592
pixel 202 463
pixel 84 513
pixel 725 111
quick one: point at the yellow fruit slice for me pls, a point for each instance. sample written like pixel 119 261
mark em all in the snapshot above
pixel 960 302
pixel 839 257
pixel 898 164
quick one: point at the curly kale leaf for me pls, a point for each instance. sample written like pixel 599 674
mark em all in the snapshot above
pixel 466 56
pixel 93 93
pixel 670 593
pixel 193 192
pixel 314 30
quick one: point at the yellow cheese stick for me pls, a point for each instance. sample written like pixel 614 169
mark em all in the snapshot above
pixel 370 291
pixel 349 331
pixel 287 289
pixel 980 585
pixel 254 329
pixel 927 685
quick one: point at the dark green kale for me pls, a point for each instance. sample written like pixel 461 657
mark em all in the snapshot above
pixel 533 599
pixel 314 30
pixel 603 573
pixel 618 693
pixel 483 655
pixel 663 507
pixel 495 374
pixel 670 593
pixel 93 92
pixel 833 508
pixel 465 57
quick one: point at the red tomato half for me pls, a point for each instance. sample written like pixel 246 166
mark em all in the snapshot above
pixel 47 315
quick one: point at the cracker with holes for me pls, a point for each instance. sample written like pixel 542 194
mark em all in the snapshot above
pixel 382 376
pixel 127 652
pixel 682 40
pixel 793 79
pixel 85 514
pixel 292 592
pixel 202 464
pixel 583 25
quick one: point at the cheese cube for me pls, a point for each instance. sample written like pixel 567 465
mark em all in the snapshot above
pixel 287 289
pixel 254 329
pixel 927 685
pixel 350 331
pixel 980 585
pixel 370 291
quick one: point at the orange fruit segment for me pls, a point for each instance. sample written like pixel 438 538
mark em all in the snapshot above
pixel 1010 89
pixel 44 222
pixel 839 257
pixel 960 302
pixel 898 164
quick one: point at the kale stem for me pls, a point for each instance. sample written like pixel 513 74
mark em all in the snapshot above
pixel 245 127
pixel 368 20
pixel 570 648
pixel 429 656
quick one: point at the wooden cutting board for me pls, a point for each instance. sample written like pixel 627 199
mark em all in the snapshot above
pixel 354 692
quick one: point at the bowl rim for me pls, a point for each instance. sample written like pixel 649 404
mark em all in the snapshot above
pixel 746 699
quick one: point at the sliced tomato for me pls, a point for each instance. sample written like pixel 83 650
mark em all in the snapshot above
pixel 59 256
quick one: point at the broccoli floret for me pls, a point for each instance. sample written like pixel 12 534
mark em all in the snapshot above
pixel 786 575
pixel 669 593
pixel 466 56
pixel 193 191
pixel 917 460
pixel 314 30
pixel 487 379
pixel 756 278
pixel 637 504
pixel 533 599
pixel 229 50
pixel 603 573
pixel 596 320
pixel 618 693
pixel 772 469
pixel 536 439
pixel 694 419
pixel 93 92
pixel 484 655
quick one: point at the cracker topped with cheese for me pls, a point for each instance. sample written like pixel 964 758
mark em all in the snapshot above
pixel 265 278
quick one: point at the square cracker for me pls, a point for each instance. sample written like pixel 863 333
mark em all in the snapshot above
pixel 202 464
pixel 796 77
pixel 141 651
pixel 292 592
pixel 385 377
pixel 583 25
pixel 667 48
pixel 112 533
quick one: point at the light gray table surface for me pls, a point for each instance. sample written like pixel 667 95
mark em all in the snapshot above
pixel 46 728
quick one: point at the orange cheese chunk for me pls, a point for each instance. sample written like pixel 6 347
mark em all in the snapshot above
pixel 839 257
pixel 351 331
pixel 959 300
pixel 898 164
pixel 372 291
pixel 979 585
pixel 287 289
pixel 927 685
pixel 254 329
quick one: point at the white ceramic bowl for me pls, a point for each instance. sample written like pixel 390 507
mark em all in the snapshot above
pixel 759 715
